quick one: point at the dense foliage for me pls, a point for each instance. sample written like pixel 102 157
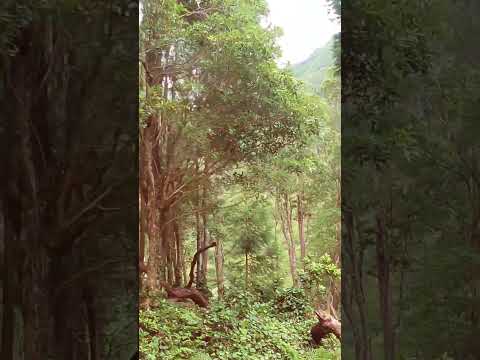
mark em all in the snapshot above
pixel 410 189
pixel 245 329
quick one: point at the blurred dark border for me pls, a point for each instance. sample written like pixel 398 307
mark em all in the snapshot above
pixel 410 179
pixel 69 179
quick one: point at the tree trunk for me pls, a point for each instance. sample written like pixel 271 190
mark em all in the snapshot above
pixel 151 208
pixel 383 274
pixel 142 234
pixel 180 261
pixel 168 244
pixel 37 311
pixel 246 269
pixel 50 199
pixel 10 291
pixel 152 267
pixel 284 210
pixel 91 326
pixel 33 275
pixel 353 297
pixel 205 237
pixel 301 227
pixel 195 259
pixel 219 268
pixel 200 243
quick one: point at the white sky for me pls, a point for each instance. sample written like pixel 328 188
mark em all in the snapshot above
pixel 307 25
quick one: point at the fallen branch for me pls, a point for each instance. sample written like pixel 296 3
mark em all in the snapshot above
pixel 183 293
pixel 187 292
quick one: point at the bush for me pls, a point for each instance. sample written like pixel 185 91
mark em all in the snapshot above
pixel 238 328
pixel 317 274
pixel 292 301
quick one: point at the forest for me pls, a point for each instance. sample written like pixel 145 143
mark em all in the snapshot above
pixel 246 201
pixel 239 188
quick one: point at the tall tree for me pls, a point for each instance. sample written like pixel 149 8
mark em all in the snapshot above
pixel 68 119
pixel 202 64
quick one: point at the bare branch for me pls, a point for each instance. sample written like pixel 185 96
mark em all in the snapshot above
pixel 194 262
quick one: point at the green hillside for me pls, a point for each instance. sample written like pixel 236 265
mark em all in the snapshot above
pixel 313 69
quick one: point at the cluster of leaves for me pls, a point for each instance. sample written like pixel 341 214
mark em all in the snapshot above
pixel 223 70
pixel 316 274
pixel 292 301
pixel 238 328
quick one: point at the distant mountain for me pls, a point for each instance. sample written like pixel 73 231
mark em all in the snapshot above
pixel 312 70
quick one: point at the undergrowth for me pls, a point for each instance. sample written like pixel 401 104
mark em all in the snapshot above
pixel 243 329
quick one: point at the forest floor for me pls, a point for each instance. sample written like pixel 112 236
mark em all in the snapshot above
pixel 243 329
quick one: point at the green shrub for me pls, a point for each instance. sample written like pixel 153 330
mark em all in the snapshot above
pixel 292 301
pixel 238 328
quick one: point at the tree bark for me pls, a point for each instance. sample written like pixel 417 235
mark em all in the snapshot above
pixel 150 212
pixel 91 325
pixel 205 237
pixel 142 234
pixel 284 210
pixel 383 274
pixel 219 268
pixel 353 297
pixel 246 270
pixel 301 227
pixel 200 242
pixel 180 261
pixel 10 298
pixel 52 181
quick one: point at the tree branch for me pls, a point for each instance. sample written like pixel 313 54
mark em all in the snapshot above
pixel 194 262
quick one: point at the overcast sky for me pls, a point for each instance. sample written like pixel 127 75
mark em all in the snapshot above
pixel 307 25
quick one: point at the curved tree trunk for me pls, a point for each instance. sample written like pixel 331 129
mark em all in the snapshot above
pixel 195 259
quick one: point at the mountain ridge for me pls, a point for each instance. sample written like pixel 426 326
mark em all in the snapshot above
pixel 313 69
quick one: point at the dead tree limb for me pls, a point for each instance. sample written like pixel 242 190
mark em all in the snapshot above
pixel 194 262
pixel 187 292
pixel 183 293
